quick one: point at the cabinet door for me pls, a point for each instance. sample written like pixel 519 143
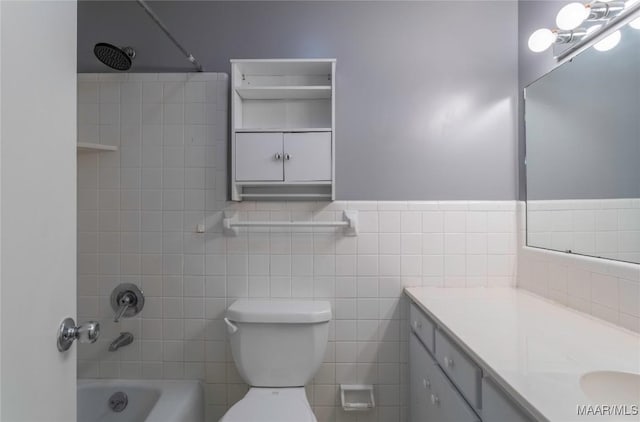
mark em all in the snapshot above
pixel 307 156
pixel 451 406
pixel 497 407
pixel 421 367
pixel 259 157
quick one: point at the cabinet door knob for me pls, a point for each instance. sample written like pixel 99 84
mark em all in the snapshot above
pixel 448 362
pixel 278 156
pixel 435 400
pixel 417 325
pixel 426 383
pixel 287 156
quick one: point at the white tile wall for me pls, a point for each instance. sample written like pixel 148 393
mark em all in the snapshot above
pixel 604 227
pixel 137 213
pixel 606 289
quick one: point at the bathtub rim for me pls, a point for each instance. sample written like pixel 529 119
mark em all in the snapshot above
pixel 172 393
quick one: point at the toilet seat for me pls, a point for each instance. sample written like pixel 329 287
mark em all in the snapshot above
pixel 271 405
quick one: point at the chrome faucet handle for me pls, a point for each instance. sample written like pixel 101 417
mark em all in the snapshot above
pixel 68 332
pixel 127 300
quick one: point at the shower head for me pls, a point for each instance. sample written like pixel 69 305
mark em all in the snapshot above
pixel 114 57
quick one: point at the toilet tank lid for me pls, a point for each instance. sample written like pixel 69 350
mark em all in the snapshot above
pixel 279 311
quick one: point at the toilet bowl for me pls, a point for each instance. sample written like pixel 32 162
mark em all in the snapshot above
pixel 277 347
pixel 271 405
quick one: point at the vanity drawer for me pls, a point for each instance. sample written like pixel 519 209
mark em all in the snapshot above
pixel 432 396
pixel 496 407
pixel 460 368
pixel 422 326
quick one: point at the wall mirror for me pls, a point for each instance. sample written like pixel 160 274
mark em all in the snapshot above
pixel 583 154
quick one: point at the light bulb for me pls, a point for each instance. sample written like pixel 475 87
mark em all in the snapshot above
pixel 635 24
pixel 541 39
pixel 609 42
pixel 571 16
pixel 629 3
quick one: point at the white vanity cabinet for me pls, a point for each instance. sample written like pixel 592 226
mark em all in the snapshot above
pixel 447 385
pixel 433 396
pixel 283 137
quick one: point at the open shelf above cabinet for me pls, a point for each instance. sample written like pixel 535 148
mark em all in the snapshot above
pixel 284 129
pixel 281 196
pixel 284 92
pixel 89 147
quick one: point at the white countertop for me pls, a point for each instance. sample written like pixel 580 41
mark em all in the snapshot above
pixel 535 349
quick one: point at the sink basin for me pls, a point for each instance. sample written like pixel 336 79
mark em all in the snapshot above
pixel 611 387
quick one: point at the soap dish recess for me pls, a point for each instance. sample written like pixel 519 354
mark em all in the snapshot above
pixel 357 397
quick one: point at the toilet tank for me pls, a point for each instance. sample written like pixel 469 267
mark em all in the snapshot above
pixel 278 343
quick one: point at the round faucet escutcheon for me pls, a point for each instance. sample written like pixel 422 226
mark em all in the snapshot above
pixel 127 300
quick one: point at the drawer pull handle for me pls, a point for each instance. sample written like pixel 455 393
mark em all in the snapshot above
pixel 435 400
pixel 426 383
pixel 448 362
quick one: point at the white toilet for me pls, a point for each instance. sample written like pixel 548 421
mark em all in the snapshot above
pixel 277 347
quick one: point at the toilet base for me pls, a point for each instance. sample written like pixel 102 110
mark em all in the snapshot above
pixel 287 404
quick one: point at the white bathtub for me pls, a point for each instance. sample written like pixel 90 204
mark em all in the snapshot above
pixel 148 400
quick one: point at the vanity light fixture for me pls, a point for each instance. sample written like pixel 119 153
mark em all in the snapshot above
pixel 573 24
pixel 543 38
pixel 572 15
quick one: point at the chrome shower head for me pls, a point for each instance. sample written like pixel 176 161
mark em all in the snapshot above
pixel 114 57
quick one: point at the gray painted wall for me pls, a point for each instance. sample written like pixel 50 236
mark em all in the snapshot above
pixel 426 91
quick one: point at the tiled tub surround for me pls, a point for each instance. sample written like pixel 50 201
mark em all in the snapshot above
pixel 604 288
pixel 138 211
pixel 601 227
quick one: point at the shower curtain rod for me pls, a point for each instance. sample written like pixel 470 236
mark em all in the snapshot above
pixel 157 20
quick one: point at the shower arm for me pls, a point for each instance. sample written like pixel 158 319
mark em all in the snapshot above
pixel 157 20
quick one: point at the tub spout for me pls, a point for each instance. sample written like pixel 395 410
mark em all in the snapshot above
pixel 124 339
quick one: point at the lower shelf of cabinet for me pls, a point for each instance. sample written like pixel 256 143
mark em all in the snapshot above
pixel 283 129
pixel 321 191
pixel 284 195
pixel 312 183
